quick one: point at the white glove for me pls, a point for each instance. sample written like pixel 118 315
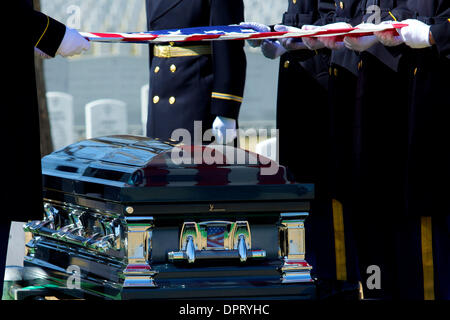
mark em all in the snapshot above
pixel 312 43
pixel 360 43
pixel 388 38
pixel 258 27
pixel 416 34
pixel 290 43
pixel 41 54
pixel 332 42
pixel 272 49
pixel 224 130
pixel 72 43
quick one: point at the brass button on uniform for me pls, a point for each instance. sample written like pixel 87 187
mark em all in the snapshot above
pixel 415 71
pixel 155 99
pixel 294 1
pixel 360 65
pixel 173 68
pixel 335 72
pixel 156 69
pixel 330 71
pixel 341 4
pixel 286 64
pixel 172 100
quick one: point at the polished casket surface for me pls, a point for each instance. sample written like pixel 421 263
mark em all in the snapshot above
pixel 128 217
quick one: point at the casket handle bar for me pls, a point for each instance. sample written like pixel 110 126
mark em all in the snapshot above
pixel 65 225
pixel 234 242
pixel 71 234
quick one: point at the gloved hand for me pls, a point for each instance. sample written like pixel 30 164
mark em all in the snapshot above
pixel 258 27
pixel 272 49
pixel 333 42
pixel 224 129
pixel 388 38
pixel 416 34
pixel 73 43
pixel 312 43
pixel 41 54
pixel 359 43
pixel 290 43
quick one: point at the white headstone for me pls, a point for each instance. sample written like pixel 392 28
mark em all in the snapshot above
pixel 60 110
pixel 144 108
pixel 106 117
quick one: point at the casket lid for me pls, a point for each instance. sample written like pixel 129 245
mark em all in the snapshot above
pixel 127 168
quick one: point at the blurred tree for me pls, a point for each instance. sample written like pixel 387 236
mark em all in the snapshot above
pixel 44 121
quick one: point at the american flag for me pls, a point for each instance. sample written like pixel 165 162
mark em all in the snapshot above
pixel 215 237
pixel 231 32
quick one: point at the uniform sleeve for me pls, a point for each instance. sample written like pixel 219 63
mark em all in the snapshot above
pixel 229 61
pixel 439 24
pixel 398 13
pixel 441 35
pixel 46 32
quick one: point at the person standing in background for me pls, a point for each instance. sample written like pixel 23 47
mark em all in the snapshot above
pixel 379 147
pixel 196 81
pixel 423 238
pixel 343 70
pixel 304 144
pixel 43 36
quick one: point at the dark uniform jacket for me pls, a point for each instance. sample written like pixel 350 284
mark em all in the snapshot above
pixel 441 35
pixel 424 235
pixel 303 117
pixel 21 172
pixel 349 11
pixel 380 148
pixel 303 124
pixel 428 155
pixel 21 166
pixel 201 87
pixel 343 73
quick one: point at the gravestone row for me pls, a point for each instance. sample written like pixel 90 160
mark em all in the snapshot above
pixel 108 117
pixel 102 117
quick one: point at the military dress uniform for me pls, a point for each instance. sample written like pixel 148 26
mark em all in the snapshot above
pixel 21 170
pixel 303 124
pixel 341 103
pixel 193 81
pixel 343 73
pixel 303 119
pixel 424 239
pixel 380 151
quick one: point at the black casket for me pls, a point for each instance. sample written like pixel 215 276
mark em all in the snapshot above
pixel 130 217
